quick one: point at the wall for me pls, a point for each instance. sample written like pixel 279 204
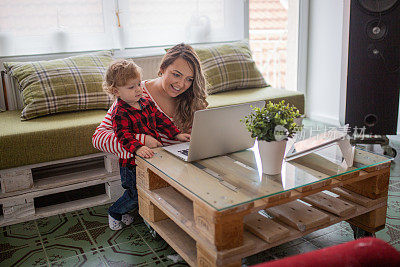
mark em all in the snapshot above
pixel 324 60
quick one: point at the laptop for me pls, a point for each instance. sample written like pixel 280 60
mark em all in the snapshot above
pixel 215 132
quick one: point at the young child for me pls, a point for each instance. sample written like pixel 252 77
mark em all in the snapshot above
pixel 133 115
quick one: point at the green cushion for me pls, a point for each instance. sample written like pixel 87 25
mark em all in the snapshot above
pixel 228 67
pixel 255 94
pixel 68 84
pixel 47 138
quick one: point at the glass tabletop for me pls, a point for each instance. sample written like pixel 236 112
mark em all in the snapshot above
pixel 234 179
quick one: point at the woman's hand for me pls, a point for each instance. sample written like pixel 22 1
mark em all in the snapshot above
pixel 184 137
pixel 144 152
pixel 151 142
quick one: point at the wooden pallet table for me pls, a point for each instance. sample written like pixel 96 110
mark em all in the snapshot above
pixel 29 192
pixel 216 211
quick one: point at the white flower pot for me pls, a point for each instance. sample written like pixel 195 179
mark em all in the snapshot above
pixel 271 154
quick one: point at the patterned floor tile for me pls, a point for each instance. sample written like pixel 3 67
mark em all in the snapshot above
pixel 158 244
pixel 391 233
pixel 84 260
pixel 393 211
pixel 395 167
pixel 167 259
pixel 261 257
pixel 29 226
pixel 324 231
pixel 286 245
pixel 346 226
pixel 136 252
pixel 59 225
pixel 394 187
pixel 26 256
pixel 105 237
pixel 334 238
pixel 143 230
pixel 98 216
pixel 95 216
pixel 16 236
pixel 68 246
pixel 174 264
pixel 396 245
pixel 303 247
pixel 162 249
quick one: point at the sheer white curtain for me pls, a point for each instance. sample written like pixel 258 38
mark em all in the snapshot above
pixel 155 22
pixel 50 26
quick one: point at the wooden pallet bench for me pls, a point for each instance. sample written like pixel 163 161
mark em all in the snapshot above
pixel 206 236
pixel 51 188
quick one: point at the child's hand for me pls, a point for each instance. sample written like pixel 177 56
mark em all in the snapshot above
pixel 144 152
pixel 184 137
pixel 151 142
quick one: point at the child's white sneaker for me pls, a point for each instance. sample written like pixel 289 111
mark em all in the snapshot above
pixel 114 224
pixel 127 219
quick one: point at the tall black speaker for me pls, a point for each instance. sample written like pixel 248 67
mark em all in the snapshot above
pixel 373 80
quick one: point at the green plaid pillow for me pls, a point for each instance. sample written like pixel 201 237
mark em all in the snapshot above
pixel 228 67
pixel 61 85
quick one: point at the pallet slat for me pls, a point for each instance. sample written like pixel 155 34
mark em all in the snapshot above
pixel 180 210
pixel 23 208
pixel 16 180
pixel 374 188
pixel 298 215
pixel 330 203
pixel 356 198
pixel 265 228
pixel 178 239
pixel 43 176
pixel 252 243
pixel 217 231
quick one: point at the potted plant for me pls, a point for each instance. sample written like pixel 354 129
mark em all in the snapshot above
pixel 272 125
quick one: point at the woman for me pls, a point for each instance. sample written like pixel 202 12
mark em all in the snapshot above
pixel 178 92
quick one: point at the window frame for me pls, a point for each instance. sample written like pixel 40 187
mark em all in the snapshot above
pixel 297 48
pixel 296 75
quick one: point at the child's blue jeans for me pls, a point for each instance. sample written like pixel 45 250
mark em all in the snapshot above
pixel 129 200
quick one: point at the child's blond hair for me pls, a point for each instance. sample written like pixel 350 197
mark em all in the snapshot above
pixel 118 74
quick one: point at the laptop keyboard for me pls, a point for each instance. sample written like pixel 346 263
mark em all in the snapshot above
pixel 184 151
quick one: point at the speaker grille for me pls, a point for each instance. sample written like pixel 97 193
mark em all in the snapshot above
pixel 373 77
pixel 377 6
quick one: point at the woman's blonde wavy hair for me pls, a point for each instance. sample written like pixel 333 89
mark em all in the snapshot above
pixel 194 98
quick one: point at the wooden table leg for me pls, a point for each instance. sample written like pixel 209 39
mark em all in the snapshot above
pixel 373 188
pixel 207 259
pixel 148 179
pixel 371 221
pixel 148 210
pixel 224 229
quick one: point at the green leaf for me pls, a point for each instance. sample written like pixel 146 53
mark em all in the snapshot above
pixel 261 122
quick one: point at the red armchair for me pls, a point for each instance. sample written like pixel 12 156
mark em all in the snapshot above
pixel 361 252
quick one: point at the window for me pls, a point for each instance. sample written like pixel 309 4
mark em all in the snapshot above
pixel 50 26
pixel 46 26
pixel 148 23
pixel 278 39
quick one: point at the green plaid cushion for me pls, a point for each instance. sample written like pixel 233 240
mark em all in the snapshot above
pixel 61 85
pixel 228 67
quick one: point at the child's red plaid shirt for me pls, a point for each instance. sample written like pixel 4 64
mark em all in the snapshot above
pixel 128 121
